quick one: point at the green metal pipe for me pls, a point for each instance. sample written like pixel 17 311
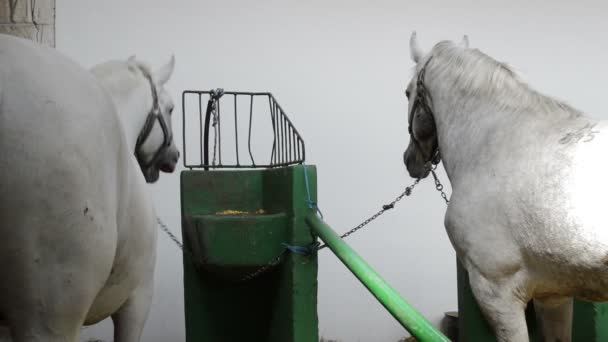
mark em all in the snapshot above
pixel 409 318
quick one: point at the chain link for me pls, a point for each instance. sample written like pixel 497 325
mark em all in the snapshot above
pixel 179 244
pixel 275 261
pixel 438 185
pixel 165 229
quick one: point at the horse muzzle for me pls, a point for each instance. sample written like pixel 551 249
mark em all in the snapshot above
pixel 416 167
pixel 169 163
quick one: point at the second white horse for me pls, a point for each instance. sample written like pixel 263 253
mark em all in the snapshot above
pixel 526 216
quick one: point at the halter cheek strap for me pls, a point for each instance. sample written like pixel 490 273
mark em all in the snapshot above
pixel 421 100
pixel 153 116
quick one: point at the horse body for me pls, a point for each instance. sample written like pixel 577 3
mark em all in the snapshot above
pixel 526 172
pixel 79 231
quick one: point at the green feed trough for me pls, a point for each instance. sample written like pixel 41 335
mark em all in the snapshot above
pixel 241 283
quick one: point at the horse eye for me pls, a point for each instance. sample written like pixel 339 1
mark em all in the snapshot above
pixel 171 110
pixel 407 93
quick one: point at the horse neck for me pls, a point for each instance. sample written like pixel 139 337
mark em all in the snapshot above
pixel 132 108
pixel 457 134
pixel 472 131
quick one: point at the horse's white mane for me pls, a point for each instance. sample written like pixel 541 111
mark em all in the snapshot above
pixel 474 74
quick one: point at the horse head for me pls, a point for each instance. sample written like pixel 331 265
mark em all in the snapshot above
pixel 423 149
pixel 145 109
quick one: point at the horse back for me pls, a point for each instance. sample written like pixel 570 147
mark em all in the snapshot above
pixel 64 172
pixel 56 123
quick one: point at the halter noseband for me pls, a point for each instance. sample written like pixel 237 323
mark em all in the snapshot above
pixel 422 94
pixel 154 115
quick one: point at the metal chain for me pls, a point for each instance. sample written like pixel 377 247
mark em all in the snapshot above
pixel 275 261
pixel 438 185
pixel 165 229
pixel 386 207
pixel 316 247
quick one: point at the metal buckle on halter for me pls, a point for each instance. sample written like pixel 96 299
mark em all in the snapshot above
pixel 436 159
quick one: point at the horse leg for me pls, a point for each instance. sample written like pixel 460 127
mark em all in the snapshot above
pixel 502 307
pixel 555 319
pixel 130 319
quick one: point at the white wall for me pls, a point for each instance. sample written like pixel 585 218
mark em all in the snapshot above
pixel 339 69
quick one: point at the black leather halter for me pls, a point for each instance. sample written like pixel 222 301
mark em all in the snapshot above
pixel 155 114
pixel 422 99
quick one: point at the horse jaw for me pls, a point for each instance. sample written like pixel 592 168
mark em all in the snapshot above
pixel 415 164
pixel 151 174
pixel 167 164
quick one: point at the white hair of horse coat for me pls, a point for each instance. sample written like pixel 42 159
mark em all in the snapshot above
pixel 525 171
pixel 79 231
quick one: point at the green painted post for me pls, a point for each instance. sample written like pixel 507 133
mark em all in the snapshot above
pixel 590 322
pixel 409 318
pixel 472 325
pixel 234 222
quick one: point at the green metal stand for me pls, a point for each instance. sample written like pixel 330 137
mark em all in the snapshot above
pixel 234 222
pixel 590 321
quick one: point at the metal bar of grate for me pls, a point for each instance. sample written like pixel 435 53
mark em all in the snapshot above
pixel 288 147
pixel 250 124
pixel 236 131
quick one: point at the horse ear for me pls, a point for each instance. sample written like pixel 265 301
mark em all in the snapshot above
pixel 465 41
pixel 132 63
pixel 163 74
pixel 415 50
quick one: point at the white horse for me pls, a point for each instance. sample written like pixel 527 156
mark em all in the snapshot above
pixel 528 172
pixel 78 229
